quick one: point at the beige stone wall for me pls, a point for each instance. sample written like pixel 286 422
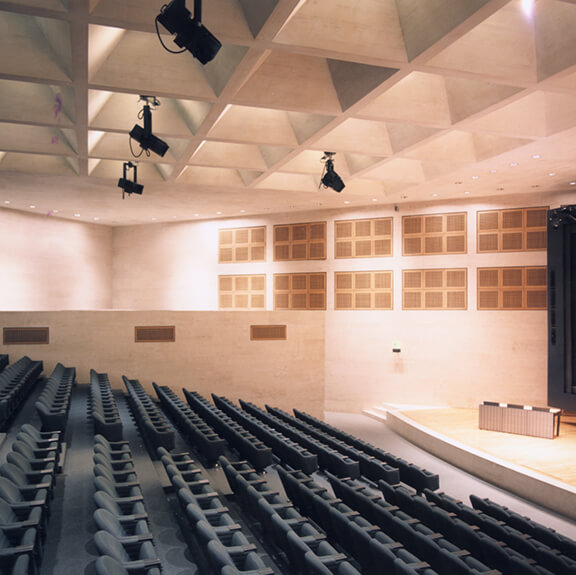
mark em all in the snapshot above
pixel 49 264
pixel 212 353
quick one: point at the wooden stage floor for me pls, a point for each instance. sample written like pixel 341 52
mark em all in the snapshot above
pixel 555 458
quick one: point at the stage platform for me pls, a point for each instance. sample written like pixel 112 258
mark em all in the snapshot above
pixel 540 470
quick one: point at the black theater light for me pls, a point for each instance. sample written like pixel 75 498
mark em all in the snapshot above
pixel 189 33
pixel 130 186
pixel 144 136
pixel 330 179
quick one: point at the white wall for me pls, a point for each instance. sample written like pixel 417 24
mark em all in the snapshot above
pixel 453 358
pixel 48 263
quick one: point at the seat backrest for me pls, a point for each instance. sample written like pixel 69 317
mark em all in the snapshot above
pixel 104 501
pixel 107 565
pixel 107 544
pixel 107 521
pixel 6 513
pixel 9 491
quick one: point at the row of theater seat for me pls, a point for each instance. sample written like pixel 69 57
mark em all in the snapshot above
pixel 327 457
pixel 228 550
pixel 287 450
pixel 530 528
pixel 534 552
pixel 53 403
pixel 238 438
pixel 27 481
pixel 153 425
pixel 196 432
pixel 444 553
pixel 409 473
pixel 305 546
pixel 103 407
pixel 370 467
pixel 16 382
pixel 377 551
pixel 123 539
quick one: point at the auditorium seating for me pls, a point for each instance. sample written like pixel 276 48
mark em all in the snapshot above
pixel 103 407
pixel 327 457
pixel 245 443
pixel 53 402
pixel 197 433
pixel 287 450
pixel 219 536
pixel 409 473
pixel 16 382
pixel 121 518
pixel 306 547
pixel 153 425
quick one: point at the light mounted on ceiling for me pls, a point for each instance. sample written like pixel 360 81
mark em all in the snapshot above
pixel 144 136
pixel 190 33
pixel 330 179
pixel 130 186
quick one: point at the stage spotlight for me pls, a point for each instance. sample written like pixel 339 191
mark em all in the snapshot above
pixel 144 136
pixel 190 33
pixel 130 187
pixel 330 179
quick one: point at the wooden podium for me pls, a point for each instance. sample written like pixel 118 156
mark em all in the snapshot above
pixel 520 419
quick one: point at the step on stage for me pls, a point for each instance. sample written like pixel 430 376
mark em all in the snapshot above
pixel 540 470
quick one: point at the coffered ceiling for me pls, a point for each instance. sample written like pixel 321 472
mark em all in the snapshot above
pixel 420 100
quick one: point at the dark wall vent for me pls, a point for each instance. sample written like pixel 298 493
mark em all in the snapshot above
pixel 267 332
pixel 26 335
pixel 155 334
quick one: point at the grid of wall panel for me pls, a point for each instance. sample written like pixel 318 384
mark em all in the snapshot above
pixel 434 234
pixel 301 291
pixel 435 289
pixel 240 245
pixel 242 292
pixel 368 238
pixel 363 290
pixel 298 242
pixel 513 288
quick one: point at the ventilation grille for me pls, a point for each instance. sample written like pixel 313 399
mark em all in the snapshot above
pixel 155 334
pixel 435 289
pixel 26 335
pixel 434 234
pixel 298 242
pixel 363 238
pixel 242 245
pixel 512 288
pixel 267 332
pixel 515 230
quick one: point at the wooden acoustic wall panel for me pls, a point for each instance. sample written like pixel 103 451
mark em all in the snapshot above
pixel 237 245
pixel 155 334
pixel 242 292
pixel 26 335
pixel 512 288
pixel 514 230
pixel 300 291
pixel 434 234
pixel 435 289
pixel 268 332
pixel 371 238
pixel 363 290
pixel 297 242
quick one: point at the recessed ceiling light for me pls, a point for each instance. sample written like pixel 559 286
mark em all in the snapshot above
pixel 573 183
pixel 552 174
pixel 434 195
pixel 346 201
pixel 514 164
pixel 475 177
pixel 55 211
pixel 32 206
pixel 218 213
pixel 242 211
pixel 76 215
pixel 374 199
pixel 174 217
pixel 493 171
pixel 467 192
pixel 6 201
pixel 196 215
pixel 96 218
pixel 536 156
